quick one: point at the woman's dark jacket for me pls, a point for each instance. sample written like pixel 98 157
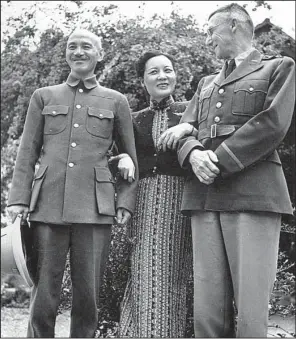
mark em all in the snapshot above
pixel 150 160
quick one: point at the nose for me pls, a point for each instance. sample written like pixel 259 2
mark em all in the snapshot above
pixel 162 75
pixel 209 40
pixel 78 51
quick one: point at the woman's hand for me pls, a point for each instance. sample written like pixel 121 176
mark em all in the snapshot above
pixel 125 166
pixel 122 216
pixel 169 139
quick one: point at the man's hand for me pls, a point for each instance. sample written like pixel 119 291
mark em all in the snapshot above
pixel 125 166
pixel 123 216
pixel 18 210
pixel 203 166
pixel 169 138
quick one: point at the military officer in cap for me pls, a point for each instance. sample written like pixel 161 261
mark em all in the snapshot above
pixel 71 198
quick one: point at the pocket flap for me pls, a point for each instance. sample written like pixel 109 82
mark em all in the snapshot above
pixel 100 113
pixel 252 86
pixel 55 110
pixel 40 172
pixel 206 93
pixel 103 174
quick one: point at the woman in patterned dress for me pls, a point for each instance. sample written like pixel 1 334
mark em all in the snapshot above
pixel 154 304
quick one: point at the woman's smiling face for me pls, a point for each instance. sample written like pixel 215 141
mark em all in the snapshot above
pixel 159 77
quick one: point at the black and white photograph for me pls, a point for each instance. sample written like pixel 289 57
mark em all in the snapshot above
pixel 148 169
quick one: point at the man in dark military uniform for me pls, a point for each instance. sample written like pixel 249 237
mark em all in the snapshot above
pixel 237 191
pixel 72 201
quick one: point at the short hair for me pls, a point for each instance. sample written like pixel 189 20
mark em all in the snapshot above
pixel 141 63
pixel 97 39
pixel 237 12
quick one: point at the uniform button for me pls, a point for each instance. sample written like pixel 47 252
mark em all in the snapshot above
pixel 218 104
pixel 101 115
pixel 78 106
pixel 54 112
pixel 155 154
pixel 76 125
pixel 155 168
pixel 71 164
pixel 217 119
pixel 251 89
pixel 221 91
pixel 80 90
pixel 73 144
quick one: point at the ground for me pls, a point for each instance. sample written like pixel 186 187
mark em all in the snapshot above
pixel 14 324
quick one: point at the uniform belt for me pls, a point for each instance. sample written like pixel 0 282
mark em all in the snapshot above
pixel 216 131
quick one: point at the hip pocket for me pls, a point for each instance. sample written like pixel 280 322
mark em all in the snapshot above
pixel 37 183
pixel 105 191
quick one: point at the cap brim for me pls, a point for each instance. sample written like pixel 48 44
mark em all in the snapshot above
pixel 18 253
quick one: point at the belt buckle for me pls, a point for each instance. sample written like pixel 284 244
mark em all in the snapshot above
pixel 213 131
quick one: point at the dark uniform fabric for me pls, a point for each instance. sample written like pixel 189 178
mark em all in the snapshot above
pixel 72 126
pixel 89 251
pixel 242 119
pixel 236 219
pixel 72 195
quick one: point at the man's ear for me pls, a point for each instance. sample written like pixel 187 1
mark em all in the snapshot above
pixel 234 25
pixel 101 55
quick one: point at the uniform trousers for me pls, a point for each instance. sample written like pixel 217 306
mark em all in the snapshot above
pixel 235 259
pixel 89 246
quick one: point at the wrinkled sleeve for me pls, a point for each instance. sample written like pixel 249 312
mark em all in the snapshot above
pixel 28 153
pixel 125 142
pixel 188 143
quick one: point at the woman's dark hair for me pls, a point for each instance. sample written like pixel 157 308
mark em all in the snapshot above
pixel 141 63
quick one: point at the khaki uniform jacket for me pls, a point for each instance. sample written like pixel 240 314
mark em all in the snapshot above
pixel 242 119
pixel 72 126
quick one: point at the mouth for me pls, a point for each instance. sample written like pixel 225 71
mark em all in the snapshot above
pixel 163 85
pixel 78 60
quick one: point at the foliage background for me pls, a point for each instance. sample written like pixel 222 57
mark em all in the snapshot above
pixel 33 59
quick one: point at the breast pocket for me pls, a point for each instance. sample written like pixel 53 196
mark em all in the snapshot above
pixel 204 103
pixel 55 118
pixel 249 97
pixel 99 122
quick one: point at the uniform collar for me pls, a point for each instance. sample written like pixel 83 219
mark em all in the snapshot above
pixel 241 57
pixel 89 83
pixel 164 103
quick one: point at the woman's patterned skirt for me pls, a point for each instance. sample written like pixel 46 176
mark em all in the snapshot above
pixel 154 304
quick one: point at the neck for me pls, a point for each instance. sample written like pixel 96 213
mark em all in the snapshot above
pixel 241 48
pixel 159 99
pixel 82 76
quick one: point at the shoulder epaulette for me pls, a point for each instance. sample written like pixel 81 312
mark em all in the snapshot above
pixel 269 57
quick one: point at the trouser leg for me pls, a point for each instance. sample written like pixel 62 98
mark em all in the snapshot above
pixel 251 241
pixel 88 255
pixel 50 243
pixel 213 291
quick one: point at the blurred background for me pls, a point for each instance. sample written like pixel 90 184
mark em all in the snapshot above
pixel 33 41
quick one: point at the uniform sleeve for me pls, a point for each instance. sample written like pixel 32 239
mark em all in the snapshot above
pixel 125 141
pixel 28 153
pixel 262 134
pixel 187 144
